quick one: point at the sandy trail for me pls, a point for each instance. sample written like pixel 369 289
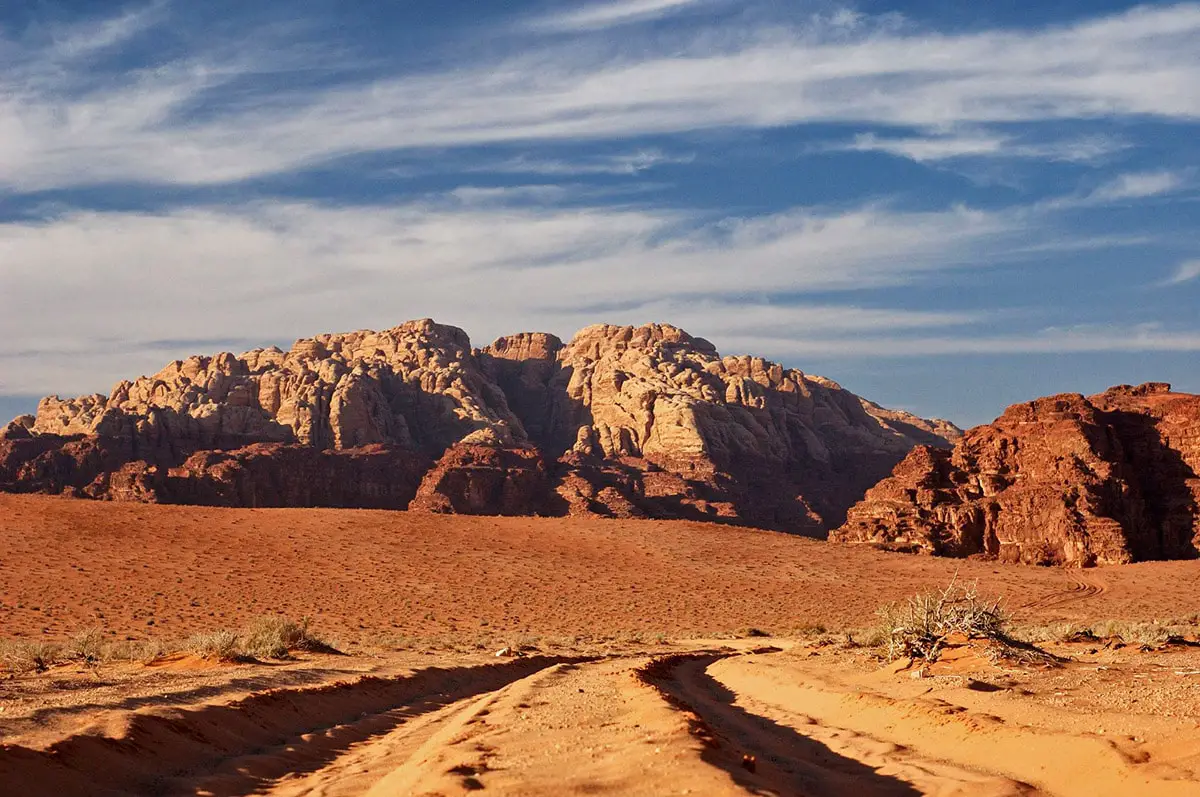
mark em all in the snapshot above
pixel 623 724
pixel 239 747
pixel 937 746
pixel 682 724
pixel 798 754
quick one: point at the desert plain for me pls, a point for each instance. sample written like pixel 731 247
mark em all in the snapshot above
pixel 640 657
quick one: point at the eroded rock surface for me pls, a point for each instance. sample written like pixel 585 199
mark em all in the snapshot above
pixel 622 421
pixel 1065 479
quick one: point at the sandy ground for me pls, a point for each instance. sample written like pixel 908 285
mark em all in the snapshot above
pixel 712 718
pixel 620 690
pixel 156 571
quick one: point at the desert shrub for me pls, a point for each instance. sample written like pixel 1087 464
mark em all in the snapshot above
pixel 1142 634
pixel 30 656
pixel 1146 635
pixel 132 650
pixel 918 628
pixel 868 637
pixel 809 630
pixel 89 647
pixel 1055 632
pixel 751 632
pixel 275 637
pixel 219 645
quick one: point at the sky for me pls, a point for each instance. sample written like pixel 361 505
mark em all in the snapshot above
pixel 947 207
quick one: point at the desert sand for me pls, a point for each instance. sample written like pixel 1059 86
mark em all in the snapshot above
pixel 659 658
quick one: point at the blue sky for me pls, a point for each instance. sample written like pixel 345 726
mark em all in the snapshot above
pixel 946 206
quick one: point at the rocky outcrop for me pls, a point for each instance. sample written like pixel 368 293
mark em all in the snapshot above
pixel 476 479
pixel 623 421
pixel 1066 479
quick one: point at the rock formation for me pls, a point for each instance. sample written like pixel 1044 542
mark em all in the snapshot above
pixel 623 421
pixel 1071 480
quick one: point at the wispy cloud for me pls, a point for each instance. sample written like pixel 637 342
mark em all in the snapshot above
pixel 599 16
pixel 981 144
pixel 1139 185
pixel 1123 188
pixel 1188 271
pixel 623 164
pixel 1150 337
pixel 86 39
pixel 64 129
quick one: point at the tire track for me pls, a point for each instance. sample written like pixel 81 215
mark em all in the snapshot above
pixel 917 740
pixel 237 748
pixel 1081 586
pixel 771 750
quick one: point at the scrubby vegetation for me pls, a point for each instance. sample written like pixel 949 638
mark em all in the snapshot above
pixel 274 637
pixel 218 645
pixel 20 656
pixel 1147 635
pixel 919 627
pixel 268 637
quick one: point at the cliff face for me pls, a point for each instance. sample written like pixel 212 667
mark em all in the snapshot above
pixel 621 421
pixel 1065 479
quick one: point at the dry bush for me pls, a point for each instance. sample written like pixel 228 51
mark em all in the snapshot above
pixel 1141 634
pixel 89 647
pixel 1055 632
pixel 918 627
pixel 1145 635
pixel 809 630
pixel 219 645
pixel 132 650
pixel 750 632
pixel 868 637
pixel 275 637
pixel 23 656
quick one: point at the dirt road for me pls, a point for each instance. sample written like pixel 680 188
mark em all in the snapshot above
pixel 710 721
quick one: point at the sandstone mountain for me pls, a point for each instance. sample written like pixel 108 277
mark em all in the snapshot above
pixel 624 421
pixel 1065 479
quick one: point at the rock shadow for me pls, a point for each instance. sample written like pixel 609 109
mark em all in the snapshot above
pixel 1164 481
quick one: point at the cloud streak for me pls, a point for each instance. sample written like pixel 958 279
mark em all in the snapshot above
pixel 1188 271
pixel 601 16
pixel 1053 340
pixel 1140 185
pixel 1142 63
pixel 937 147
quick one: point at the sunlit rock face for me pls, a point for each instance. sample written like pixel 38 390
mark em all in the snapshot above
pixel 623 421
pixel 1065 479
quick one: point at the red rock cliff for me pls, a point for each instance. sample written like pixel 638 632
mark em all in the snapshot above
pixel 1064 479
